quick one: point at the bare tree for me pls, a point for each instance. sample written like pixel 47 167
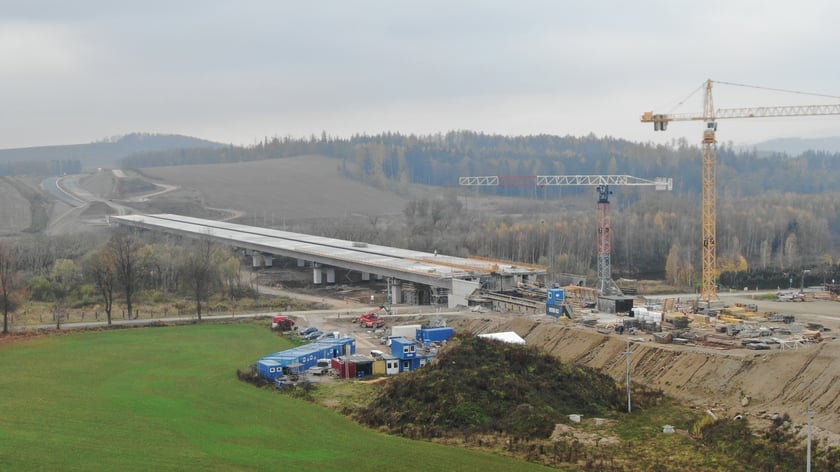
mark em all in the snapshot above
pixel 8 283
pixel 101 267
pixel 197 271
pixel 125 248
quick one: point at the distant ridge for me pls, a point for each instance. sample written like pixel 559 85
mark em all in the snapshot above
pixel 106 153
pixel 796 146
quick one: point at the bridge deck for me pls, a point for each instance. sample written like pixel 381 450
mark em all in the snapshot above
pixel 433 269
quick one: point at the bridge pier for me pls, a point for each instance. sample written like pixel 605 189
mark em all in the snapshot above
pixel 395 294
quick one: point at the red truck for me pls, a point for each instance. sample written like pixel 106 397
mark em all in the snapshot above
pixel 282 323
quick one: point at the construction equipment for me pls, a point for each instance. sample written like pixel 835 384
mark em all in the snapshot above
pixel 282 323
pixel 371 319
pixel 710 117
pixel 606 285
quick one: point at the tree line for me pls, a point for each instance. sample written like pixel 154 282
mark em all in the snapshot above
pixel 73 271
pixel 774 211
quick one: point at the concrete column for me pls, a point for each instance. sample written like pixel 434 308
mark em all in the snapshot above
pixel 256 260
pixel 331 276
pixel 268 259
pixel 365 276
pixel 316 275
pixel 301 262
pixel 396 293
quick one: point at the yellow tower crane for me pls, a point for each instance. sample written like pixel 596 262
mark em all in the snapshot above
pixel 710 117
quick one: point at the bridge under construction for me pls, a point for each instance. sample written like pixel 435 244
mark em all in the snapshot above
pixel 449 280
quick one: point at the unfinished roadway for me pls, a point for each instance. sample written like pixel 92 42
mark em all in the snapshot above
pixel 454 278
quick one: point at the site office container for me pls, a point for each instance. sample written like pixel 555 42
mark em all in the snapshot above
pixel 353 366
pixel 410 365
pixel 343 346
pixel 431 335
pixel 403 348
pixel 345 370
pixel 269 369
pixel 306 355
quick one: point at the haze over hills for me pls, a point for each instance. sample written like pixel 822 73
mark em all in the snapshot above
pixel 108 152
pixel 111 151
pixel 796 146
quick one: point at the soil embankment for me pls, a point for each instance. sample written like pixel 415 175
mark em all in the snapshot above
pixel 734 381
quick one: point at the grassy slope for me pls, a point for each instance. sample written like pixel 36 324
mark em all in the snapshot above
pixel 274 189
pixel 168 399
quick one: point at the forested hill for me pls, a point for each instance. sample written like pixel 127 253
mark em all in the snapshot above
pixel 441 158
pixel 104 153
pixel 776 213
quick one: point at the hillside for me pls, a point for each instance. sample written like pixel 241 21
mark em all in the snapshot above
pixel 277 190
pixel 729 382
pixel 105 153
pixel 16 210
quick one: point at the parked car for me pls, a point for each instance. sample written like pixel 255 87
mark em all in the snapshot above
pixel 308 331
pixel 313 335
pixel 321 367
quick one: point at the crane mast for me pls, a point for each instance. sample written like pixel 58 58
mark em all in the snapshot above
pixel 606 285
pixel 709 198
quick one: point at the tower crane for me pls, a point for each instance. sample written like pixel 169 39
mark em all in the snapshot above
pixel 606 285
pixel 710 116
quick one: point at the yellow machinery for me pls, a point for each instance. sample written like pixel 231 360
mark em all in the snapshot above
pixel 710 117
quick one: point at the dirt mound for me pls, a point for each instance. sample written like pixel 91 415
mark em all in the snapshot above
pixel 732 381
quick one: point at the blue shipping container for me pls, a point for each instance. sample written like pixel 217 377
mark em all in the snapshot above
pixel 431 335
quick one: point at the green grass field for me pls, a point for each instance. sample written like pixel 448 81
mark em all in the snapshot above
pixel 168 399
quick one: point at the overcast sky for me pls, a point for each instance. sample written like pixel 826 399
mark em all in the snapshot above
pixel 237 71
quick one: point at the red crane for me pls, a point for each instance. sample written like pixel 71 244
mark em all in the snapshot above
pixel 606 285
